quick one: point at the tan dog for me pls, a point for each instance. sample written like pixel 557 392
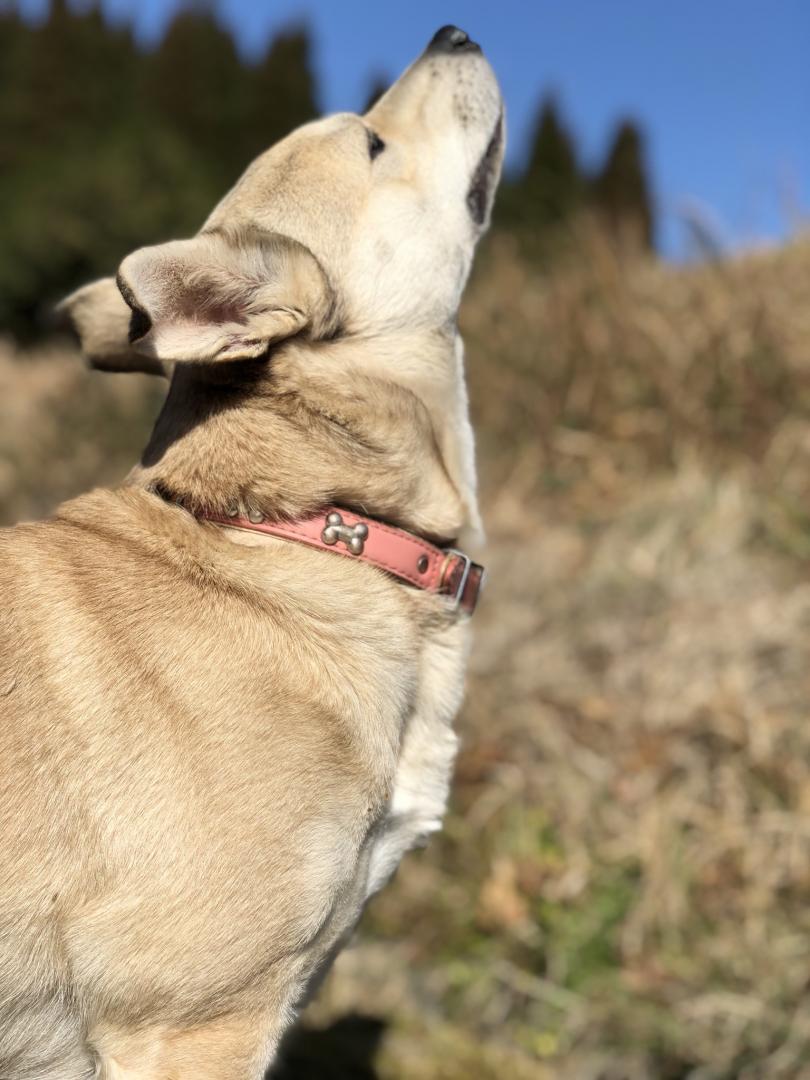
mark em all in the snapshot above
pixel 215 745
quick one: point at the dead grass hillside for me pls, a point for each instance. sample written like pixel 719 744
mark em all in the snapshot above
pixel 623 886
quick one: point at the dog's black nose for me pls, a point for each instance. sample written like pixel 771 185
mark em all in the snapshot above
pixel 451 40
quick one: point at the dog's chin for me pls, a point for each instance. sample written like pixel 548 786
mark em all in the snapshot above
pixel 482 186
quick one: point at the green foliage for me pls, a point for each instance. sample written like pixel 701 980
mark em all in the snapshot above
pixel 104 148
pixel 620 190
pixel 283 92
pixel 196 87
pixel 377 87
pixel 581 937
pixel 543 204
pixel 552 188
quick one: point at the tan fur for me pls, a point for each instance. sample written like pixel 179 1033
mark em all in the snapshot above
pixel 101 317
pixel 215 747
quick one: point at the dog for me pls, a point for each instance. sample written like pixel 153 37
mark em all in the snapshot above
pixel 226 698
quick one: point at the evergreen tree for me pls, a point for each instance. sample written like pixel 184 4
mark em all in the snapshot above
pixel 621 191
pixel 75 79
pixel 282 92
pixel 66 94
pixel 194 85
pixel 378 86
pixel 552 186
pixel 104 148
pixel 15 42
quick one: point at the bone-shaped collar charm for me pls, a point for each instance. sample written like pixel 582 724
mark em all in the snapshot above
pixel 353 536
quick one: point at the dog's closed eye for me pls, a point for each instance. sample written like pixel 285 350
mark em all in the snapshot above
pixel 375 145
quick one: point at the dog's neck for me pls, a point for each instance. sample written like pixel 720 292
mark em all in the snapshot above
pixel 376 424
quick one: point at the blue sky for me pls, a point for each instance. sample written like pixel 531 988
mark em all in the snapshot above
pixel 721 87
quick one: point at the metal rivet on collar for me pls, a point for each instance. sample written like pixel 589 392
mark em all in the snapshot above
pixel 353 536
pixel 233 511
pixel 422 564
pixel 255 516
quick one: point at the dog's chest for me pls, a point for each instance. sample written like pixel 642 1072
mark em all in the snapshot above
pixel 427 753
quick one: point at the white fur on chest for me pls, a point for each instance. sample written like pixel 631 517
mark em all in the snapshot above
pixel 426 758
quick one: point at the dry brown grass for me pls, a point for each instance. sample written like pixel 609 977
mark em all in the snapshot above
pixel 622 887
pixel 64 429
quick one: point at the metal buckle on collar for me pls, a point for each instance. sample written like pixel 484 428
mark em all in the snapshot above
pixel 458 592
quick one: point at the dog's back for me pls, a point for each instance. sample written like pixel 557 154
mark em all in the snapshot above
pixel 41 1035
pixel 114 764
pixel 215 747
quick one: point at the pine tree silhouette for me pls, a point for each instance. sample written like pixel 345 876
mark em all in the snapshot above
pixel 194 84
pixel 104 148
pixel 377 87
pixel 15 105
pixel 621 191
pixel 282 91
pixel 552 186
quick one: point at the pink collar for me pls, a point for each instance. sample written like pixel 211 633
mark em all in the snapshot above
pixel 444 571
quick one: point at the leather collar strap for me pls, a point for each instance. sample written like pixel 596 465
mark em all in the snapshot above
pixel 444 571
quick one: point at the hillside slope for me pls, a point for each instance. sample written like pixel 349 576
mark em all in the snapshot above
pixel 622 888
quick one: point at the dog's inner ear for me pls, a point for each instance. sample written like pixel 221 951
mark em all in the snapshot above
pixel 102 322
pixel 223 296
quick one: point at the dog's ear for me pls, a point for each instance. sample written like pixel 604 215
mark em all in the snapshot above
pixel 223 296
pixel 101 319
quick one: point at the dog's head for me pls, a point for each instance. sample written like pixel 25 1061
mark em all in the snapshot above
pixel 349 226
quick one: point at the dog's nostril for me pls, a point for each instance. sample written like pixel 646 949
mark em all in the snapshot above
pixel 450 39
pixel 457 37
